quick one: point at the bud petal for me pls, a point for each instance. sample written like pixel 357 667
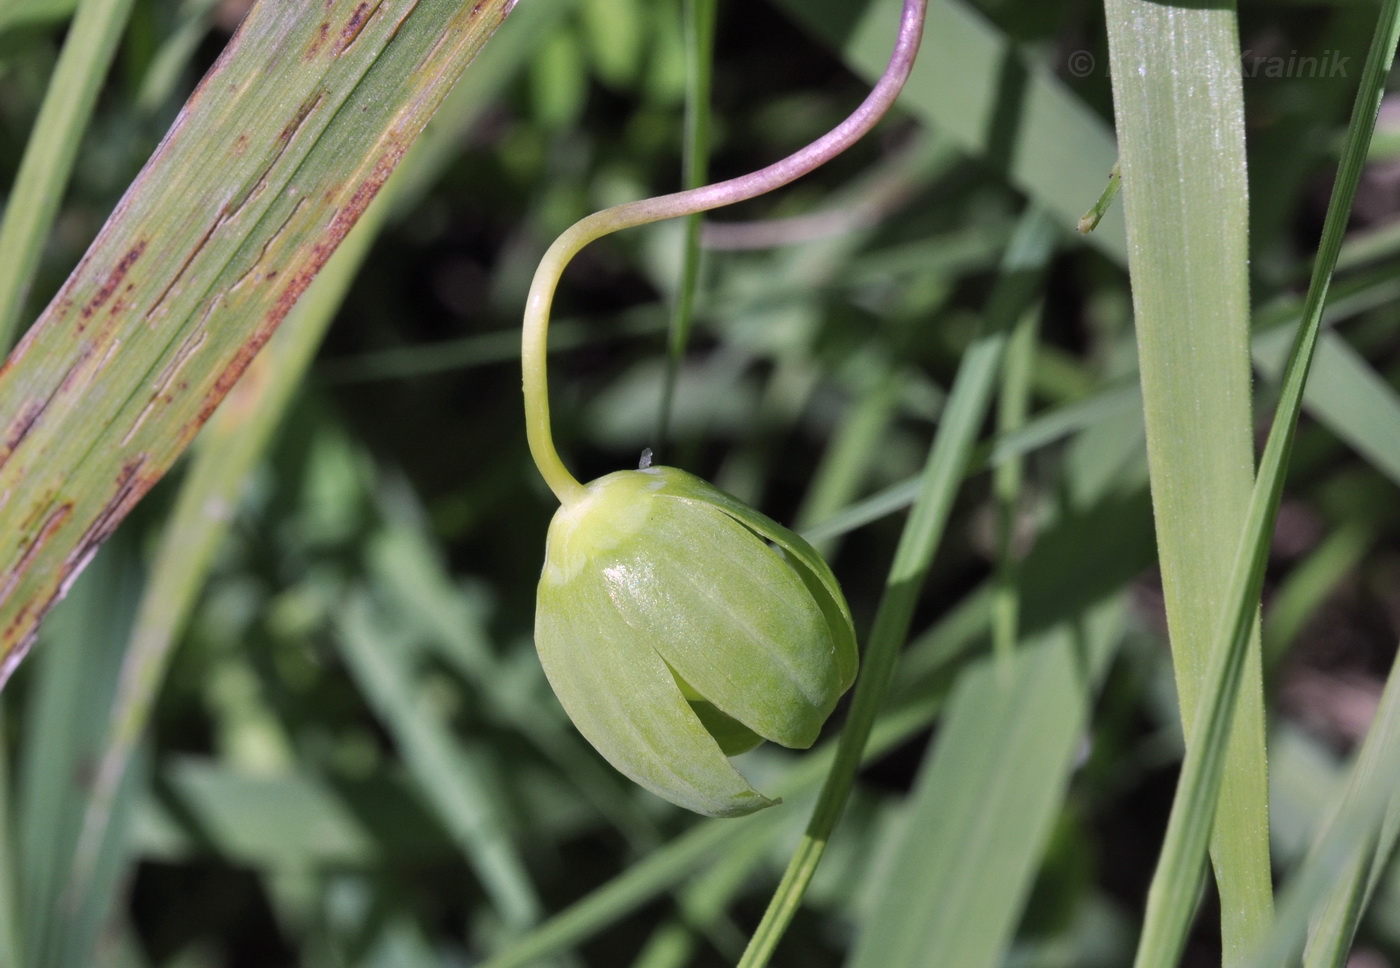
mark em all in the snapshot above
pixel 675 635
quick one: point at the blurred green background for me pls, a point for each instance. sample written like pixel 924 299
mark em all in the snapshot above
pixel 353 757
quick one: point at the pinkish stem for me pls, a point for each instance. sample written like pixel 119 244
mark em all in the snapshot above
pixel 630 214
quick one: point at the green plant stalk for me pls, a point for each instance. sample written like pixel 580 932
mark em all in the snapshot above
pixel 535 334
pixel 1178 102
pixel 699 70
pixel 53 145
pixel 947 462
pixel 1172 894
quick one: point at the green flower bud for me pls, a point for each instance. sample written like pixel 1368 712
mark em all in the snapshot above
pixel 676 635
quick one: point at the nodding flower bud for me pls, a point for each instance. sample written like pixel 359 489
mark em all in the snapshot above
pixel 675 634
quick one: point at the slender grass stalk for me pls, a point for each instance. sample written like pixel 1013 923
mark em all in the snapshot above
pixel 1172 895
pixel 947 461
pixel 699 70
pixel 1328 894
pixel 53 145
pixel 1179 108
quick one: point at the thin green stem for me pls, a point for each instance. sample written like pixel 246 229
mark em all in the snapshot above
pixel 631 214
pixel 943 472
pixel 1090 220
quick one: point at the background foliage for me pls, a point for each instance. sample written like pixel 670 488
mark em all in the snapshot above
pixel 353 757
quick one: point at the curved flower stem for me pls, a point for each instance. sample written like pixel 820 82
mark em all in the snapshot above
pixel 533 341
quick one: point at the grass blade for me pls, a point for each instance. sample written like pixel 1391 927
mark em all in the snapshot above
pixel 274 159
pixel 234 440
pixel 22 13
pixel 1171 897
pixel 1013 402
pixel 1179 105
pixel 986 800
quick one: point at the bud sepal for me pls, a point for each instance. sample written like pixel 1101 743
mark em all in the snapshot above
pixel 675 634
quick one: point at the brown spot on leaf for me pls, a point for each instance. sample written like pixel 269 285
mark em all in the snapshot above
pixel 341 224
pixel 298 119
pixel 19 428
pixel 322 32
pixel 131 486
pixel 36 511
pixel 183 268
pixel 114 279
pixel 32 545
pixel 18 635
pixel 352 29
pixel 17 621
